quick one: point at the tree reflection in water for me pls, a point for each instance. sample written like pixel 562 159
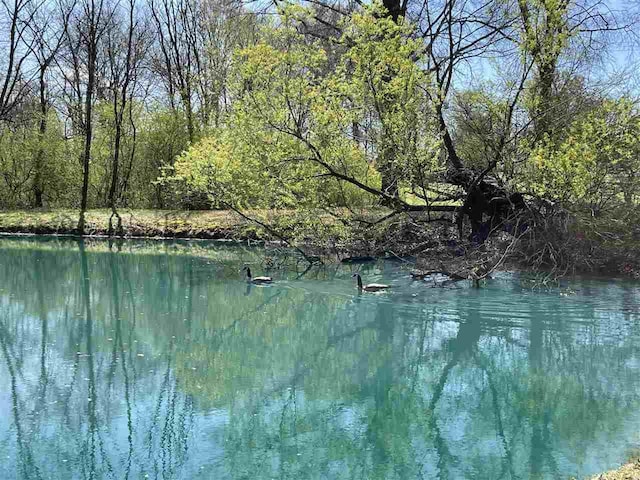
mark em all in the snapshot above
pixel 121 364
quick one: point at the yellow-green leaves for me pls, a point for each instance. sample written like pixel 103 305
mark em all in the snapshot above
pixel 313 123
pixel 596 165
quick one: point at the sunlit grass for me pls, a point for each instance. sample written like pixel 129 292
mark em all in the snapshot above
pixel 152 223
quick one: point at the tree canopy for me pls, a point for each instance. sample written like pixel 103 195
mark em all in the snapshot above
pixel 480 111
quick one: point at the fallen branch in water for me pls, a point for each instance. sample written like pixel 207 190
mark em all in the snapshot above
pixel 309 258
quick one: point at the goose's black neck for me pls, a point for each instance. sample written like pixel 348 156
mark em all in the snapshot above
pixel 248 272
pixel 359 278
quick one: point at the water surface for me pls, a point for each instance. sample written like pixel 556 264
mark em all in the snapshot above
pixel 148 363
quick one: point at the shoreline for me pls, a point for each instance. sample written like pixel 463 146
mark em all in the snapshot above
pixel 104 236
pixel 628 471
pixel 228 227
pixel 143 224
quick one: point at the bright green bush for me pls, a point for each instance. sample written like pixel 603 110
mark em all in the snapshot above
pixel 596 166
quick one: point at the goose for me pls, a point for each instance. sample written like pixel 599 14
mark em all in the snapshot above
pixel 256 279
pixel 361 259
pixel 370 287
pixel 417 275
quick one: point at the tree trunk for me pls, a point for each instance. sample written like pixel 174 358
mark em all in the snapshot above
pixel 114 172
pixel 86 157
pixel 544 112
pixel 395 8
pixel 38 188
pixel 387 165
pixel 189 112
pixel 388 172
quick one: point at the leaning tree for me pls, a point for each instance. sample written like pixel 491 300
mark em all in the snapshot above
pixel 532 40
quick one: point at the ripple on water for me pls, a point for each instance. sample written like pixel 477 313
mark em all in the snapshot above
pixel 306 378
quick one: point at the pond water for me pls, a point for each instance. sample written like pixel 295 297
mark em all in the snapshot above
pixel 150 363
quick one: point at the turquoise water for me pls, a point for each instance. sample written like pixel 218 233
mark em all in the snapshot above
pixel 148 363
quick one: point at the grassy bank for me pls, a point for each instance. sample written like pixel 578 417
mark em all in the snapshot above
pixel 588 247
pixel 135 223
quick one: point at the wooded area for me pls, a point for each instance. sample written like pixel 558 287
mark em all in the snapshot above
pixel 489 115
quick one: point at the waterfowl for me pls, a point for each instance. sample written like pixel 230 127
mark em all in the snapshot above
pixel 360 259
pixel 256 279
pixel 416 275
pixel 370 287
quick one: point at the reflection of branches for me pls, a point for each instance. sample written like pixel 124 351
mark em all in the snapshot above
pixel 67 400
pixel 309 265
pixel 190 297
pixel 130 290
pixel 443 451
pixel 420 355
pixel 465 341
pixel 17 366
pixel 128 402
pixel 156 414
pixel 94 440
pixel 166 438
pixel 115 305
pixel 468 335
pixel 168 396
pixel 232 326
pixel 300 373
pixel 496 410
pixel 118 343
pixel 26 456
pixel 292 397
pixel 185 423
pixel 43 330
pixel 91 407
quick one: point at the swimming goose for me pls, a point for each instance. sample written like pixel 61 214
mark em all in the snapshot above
pixel 256 279
pixel 417 275
pixel 370 287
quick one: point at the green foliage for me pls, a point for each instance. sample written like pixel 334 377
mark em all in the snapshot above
pixel 162 136
pixel 13 144
pixel 596 166
pixel 305 134
pixel 479 121
pixel 23 150
pixel 546 34
pixel 211 168
pixel 289 114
